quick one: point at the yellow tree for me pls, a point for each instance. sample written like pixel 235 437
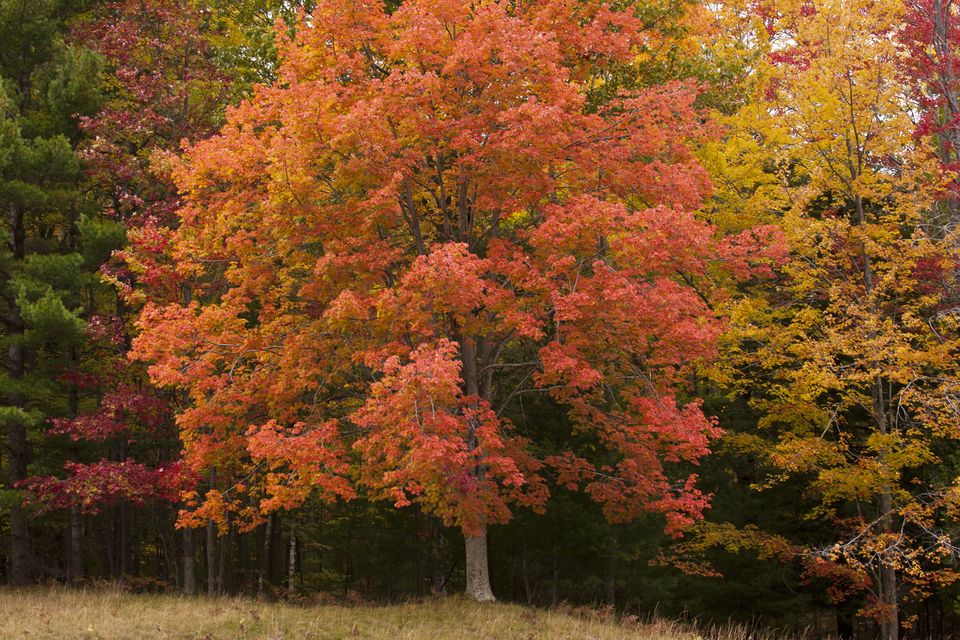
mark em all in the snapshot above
pixel 850 358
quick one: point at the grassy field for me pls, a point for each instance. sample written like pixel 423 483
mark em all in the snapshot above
pixel 63 614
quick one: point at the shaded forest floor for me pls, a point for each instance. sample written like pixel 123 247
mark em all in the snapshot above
pixel 115 615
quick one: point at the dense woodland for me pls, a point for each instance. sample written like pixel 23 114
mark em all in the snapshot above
pixel 642 304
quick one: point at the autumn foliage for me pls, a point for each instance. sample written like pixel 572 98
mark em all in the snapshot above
pixel 423 222
pixel 640 280
pixel 853 354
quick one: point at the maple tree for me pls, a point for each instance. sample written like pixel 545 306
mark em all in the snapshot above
pixel 854 351
pixel 422 221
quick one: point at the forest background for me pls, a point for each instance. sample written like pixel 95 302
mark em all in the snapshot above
pixel 709 251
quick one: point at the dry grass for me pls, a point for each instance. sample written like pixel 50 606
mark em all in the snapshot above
pixel 114 615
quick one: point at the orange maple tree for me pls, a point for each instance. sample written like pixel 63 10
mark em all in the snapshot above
pixel 423 220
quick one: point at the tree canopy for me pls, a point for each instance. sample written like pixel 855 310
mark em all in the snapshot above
pixel 603 289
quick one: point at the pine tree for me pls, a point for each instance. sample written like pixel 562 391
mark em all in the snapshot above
pixel 45 83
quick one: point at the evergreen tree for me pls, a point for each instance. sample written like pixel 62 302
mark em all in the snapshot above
pixel 45 84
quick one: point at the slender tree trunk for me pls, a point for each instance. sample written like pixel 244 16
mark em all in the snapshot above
pixel 890 625
pixel 348 556
pixel 418 560
pixel 109 567
pixel 525 572
pixel 264 578
pixel 161 551
pixel 76 544
pixel 239 576
pixel 189 563
pixel 278 551
pixel 211 548
pixel 224 562
pixel 478 567
pixel 555 581
pixel 437 577
pixel 300 563
pixel 319 548
pixel 610 581
pixel 292 561
pixel 211 543
pixel 167 535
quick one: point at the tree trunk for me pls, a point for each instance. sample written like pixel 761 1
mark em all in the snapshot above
pixel 610 581
pixel 890 625
pixel 189 563
pixel 525 573
pixel 555 581
pixel 76 545
pixel 226 559
pixel 21 568
pixel 109 537
pixel 292 561
pixel 211 559
pixel 264 578
pixel 478 567
pixel 211 547
pixel 240 572
pixel 437 578
pixel 319 549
